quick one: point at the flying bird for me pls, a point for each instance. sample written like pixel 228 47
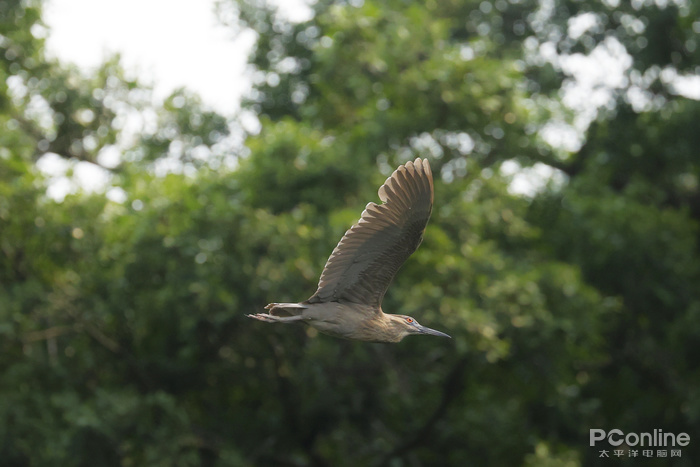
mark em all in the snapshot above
pixel 348 301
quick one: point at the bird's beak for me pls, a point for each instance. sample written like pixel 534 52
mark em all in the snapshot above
pixel 432 332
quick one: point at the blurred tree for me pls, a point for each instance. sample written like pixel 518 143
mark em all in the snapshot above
pixel 472 85
pixel 575 307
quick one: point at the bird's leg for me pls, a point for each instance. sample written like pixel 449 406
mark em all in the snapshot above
pixel 275 319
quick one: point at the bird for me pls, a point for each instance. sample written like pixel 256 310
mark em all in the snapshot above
pixel 348 301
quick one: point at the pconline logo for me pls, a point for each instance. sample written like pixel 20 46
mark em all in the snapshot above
pixel 656 438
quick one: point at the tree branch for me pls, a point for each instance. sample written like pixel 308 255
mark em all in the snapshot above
pixel 44 334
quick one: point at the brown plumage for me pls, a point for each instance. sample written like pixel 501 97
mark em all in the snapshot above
pixel 348 300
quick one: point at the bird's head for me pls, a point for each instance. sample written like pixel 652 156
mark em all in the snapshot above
pixel 407 325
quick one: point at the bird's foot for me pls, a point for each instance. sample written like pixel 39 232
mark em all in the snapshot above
pixel 275 319
pixel 263 317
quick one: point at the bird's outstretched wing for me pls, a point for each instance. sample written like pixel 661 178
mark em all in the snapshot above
pixel 365 261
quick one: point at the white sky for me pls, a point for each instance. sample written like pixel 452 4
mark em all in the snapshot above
pixel 166 43
pixel 170 43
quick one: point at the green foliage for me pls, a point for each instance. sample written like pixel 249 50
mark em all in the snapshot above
pixel 123 332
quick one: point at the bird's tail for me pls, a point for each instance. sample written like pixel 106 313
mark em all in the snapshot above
pixel 285 309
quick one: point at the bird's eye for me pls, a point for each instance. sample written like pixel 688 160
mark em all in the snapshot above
pixel 409 320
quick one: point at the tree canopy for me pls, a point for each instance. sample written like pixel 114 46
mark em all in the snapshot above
pixel 573 304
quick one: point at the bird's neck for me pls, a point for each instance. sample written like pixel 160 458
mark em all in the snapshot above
pixel 388 329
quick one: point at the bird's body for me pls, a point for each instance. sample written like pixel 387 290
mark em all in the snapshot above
pixel 345 320
pixel 347 303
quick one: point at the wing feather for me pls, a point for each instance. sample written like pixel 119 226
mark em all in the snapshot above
pixel 370 253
